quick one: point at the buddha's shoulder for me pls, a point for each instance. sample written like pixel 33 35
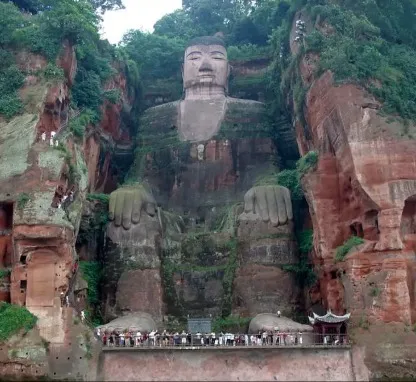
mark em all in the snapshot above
pixel 244 109
pixel 164 115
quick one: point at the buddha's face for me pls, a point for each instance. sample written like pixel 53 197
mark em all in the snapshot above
pixel 205 66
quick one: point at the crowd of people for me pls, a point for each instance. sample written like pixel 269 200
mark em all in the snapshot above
pixel 155 338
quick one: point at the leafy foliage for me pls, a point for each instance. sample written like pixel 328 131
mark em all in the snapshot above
pixel 11 79
pixel 290 179
pixel 4 273
pixel 307 162
pixel 247 52
pixel 52 72
pixel 78 125
pixel 344 249
pixel 104 198
pixel 229 275
pixel 87 90
pixel 22 200
pixel 233 324
pixel 372 41
pixel 13 319
pixel 92 271
pixel 112 96
pixel 305 241
pixel 303 271
pixel 156 56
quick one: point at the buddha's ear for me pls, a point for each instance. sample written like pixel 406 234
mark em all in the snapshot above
pixel 183 76
pixel 229 70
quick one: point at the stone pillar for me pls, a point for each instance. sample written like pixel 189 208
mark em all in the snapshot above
pixel 389 226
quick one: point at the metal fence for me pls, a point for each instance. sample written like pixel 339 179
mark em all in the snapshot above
pixel 227 340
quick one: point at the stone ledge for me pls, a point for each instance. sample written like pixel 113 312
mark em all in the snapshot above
pixel 220 348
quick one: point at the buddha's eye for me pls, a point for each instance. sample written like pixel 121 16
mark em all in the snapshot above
pixel 194 57
pixel 217 56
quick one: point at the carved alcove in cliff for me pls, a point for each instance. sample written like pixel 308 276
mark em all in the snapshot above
pixel 8 209
pixel 408 221
pixel 370 226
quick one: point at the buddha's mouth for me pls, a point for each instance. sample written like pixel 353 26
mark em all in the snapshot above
pixel 206 75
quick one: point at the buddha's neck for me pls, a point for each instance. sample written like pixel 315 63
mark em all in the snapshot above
pixel 204 92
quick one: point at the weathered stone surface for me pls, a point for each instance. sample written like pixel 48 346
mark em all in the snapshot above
pixel 280 364
pixel 364 185
pixel 34 177
pixel 68 62
pixel 265 246
pixel 140 290
pixel 259 288
pixel 195 273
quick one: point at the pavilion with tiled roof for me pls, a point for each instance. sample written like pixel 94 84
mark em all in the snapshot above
pixel 330 324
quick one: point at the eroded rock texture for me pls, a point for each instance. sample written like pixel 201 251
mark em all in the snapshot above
pixel 364 186
pixel 42 190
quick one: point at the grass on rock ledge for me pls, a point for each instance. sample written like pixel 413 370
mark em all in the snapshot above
pixel 345 248
pixel 13 319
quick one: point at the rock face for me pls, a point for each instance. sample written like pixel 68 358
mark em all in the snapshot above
pixel 364 186
pixel 234 365
pixel 42 189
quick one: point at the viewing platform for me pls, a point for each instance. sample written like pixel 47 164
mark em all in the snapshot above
pixel 220 348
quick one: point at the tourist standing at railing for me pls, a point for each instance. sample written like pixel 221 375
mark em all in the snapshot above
pixel 138 338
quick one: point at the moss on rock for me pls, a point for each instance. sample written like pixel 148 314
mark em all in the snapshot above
pixel 16 139
pixel 52 161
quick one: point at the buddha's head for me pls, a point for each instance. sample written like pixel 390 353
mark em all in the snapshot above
pixel 206 69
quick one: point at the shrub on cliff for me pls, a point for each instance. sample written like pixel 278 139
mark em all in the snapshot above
pixel 290 180
pixel 233 324
pixel 374 45
pixel 345 248
pixel 13 319
pixel 307 163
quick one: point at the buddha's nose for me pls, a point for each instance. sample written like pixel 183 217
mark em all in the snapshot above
pixel 206 65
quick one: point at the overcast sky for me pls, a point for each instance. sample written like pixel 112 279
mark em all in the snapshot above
pixel 139 14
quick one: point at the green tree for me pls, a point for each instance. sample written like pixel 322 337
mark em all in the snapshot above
pixel 177 24
pixel 10 20
pixel 70 20
pixel 107 5
pixel 156 56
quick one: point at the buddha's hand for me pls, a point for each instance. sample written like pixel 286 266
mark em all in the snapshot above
pixel 128 203
pixel 271 203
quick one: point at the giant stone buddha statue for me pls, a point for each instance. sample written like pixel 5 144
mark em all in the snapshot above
pixel 194 156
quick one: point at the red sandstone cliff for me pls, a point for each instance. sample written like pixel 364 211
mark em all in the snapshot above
pixel 38 244
pixel 364 185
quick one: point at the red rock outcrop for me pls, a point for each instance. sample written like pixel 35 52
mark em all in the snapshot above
pixel 364 185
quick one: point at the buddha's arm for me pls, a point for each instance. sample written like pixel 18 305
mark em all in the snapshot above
pixel 156 134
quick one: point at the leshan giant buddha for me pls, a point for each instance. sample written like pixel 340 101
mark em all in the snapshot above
pixel 194 157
